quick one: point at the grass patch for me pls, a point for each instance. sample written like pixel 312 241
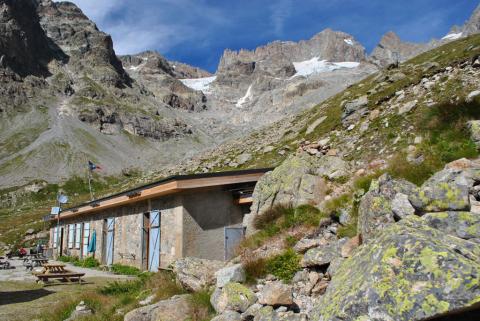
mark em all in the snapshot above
pixel 284 266
pixel 202 309
pixel 124 269
pixel 88 262
pixel 278 219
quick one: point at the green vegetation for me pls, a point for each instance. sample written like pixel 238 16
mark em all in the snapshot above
pixel 202 309
pixel 124 269
pixel 283 266
pixel 278 219
pixel 88 262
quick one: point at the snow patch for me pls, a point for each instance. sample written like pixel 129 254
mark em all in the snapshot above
pixel 202 84
pixel 453 36
pixel 315 66
pixel 244 99
pixel 348 41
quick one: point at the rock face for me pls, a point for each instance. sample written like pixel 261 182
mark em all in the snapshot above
pixel 177 308
pixel 391 49
pixel 88 49
pixel 376 209
pixel 196 274
pixel 298 180
pixel 410 272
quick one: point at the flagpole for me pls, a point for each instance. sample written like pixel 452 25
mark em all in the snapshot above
pixel 92 198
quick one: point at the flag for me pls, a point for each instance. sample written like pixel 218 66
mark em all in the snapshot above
pixel 93 166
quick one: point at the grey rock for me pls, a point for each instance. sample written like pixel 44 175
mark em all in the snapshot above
pixel 243 158
pixel 354 106
pixel 234 273
pixel 428 268
pixel 275 294
pixel 323 255
pixel 407 107
pixel 375 210
pixel 177 308
pixel 392 49
pixel 471 96
pixel 401 206
pixel 474 127
pixel 196 274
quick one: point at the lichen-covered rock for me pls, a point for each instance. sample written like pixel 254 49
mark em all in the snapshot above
pixel 276 293
pixel 234 297
pixel 196 274
pixel 411 271
pixel 465 225
pixel 300 179
pixel 234 273
pixel 376 211
pixel 448 189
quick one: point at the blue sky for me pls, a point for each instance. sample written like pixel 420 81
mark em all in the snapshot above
pixel 197 31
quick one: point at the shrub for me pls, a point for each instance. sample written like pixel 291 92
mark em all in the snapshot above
pixel 163 283
pixel 284 266
pixel 202 309
pixel 124 269
pixel 254 269
pixel 364 182
pixel 88 262
pixel 333 206
pixel 291 240
pixel 269 216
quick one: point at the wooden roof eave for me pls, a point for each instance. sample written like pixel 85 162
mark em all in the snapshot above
pixel 160 190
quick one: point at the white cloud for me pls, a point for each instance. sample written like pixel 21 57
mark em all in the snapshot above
pixel 280 12
pixel 138 25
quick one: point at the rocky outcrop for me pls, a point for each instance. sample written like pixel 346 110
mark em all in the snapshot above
pixel 88 49
pixel 234 273
pixel 298 180
pixel 196 274
pixel 392 49
pixel 177 308
pixel 410 272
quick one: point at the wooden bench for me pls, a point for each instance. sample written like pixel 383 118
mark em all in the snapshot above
pixel 44 277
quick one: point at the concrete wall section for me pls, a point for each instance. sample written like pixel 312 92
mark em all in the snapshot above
pixel 206 214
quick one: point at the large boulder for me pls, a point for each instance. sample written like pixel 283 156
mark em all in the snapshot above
pixel 233 297
pixel 234 273
pixel 300 179
pixel 380 206
pixel 411 271
pixel 276 294
pixel 196 274
pixel 228 316
pixel 177 308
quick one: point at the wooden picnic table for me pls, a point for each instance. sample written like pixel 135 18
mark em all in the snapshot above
pixel 54 268
pixel 57 271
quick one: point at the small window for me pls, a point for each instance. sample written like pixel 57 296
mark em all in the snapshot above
pixel 86 237
pixel 78 235
pixel 71 235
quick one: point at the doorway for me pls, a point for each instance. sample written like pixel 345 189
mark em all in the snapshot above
pixel 60 248
pixel 151 241
pixel 108 240
pixel 233 237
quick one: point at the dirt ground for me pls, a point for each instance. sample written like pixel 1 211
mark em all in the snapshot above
pixel 21 298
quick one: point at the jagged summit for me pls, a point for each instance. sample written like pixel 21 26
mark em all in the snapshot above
pixel 392 49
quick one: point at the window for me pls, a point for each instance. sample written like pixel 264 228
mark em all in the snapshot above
pixel 55 237
pixel 78 235
pixel 71 234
